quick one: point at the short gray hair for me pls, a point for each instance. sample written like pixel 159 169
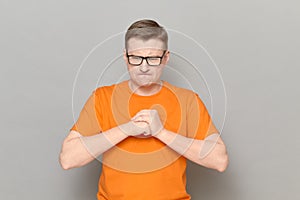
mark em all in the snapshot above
pixel 146 29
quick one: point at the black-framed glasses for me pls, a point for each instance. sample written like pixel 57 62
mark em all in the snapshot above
pixel 151 60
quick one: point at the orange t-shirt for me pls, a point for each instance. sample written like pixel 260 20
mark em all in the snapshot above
pixel 144 168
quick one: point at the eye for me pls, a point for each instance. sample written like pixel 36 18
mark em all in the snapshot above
pixel 135 57
pixel 153 58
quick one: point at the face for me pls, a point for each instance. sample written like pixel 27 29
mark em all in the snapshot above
pixel 144 74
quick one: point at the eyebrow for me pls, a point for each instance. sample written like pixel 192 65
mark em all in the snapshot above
pixel 151 55
pixel 144 56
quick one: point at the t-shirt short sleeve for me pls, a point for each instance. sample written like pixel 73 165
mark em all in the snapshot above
pixel 87 123
pixel 199 122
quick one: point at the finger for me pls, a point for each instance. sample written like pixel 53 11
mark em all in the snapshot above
pixel 153 112
pixel 144 127
pixel 144 111
pixel 141 124
pixel 138 118
pixel 140 115
pixel 146 134
pixel 144 118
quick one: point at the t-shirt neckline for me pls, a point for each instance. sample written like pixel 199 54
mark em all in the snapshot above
pixel 141 96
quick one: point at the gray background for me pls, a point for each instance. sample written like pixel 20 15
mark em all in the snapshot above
pixel 254 43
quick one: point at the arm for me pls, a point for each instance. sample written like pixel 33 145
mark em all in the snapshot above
pixel 78 150
pixel 191 148
pixel 84 143
pixel 210 152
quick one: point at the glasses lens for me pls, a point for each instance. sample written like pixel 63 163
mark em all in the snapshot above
pixel 153 61
pixel 134 60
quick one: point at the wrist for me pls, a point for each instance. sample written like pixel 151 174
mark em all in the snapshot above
pixel 160 133
pixel 126 128
pixel 117 129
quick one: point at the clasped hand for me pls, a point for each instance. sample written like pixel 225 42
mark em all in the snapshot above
pixel 145 123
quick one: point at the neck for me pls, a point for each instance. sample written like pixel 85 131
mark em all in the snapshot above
pixel 146 90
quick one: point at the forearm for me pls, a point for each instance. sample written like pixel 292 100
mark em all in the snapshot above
pixel 78 150
pixel 191 148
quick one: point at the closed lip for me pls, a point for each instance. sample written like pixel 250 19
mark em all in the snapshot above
pixel 144 74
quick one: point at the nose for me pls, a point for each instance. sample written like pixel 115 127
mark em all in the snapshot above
pixel 144 67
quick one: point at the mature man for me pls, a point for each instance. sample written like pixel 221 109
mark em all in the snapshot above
pixel 144 128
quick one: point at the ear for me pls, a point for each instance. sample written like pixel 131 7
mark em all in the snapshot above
pixel 125 59
pixel 166 57
pixel 124 55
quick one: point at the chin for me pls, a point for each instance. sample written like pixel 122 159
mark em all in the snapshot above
pixel 146 83
pixel 143 82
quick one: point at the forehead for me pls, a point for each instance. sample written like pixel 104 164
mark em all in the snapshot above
pixel 138 45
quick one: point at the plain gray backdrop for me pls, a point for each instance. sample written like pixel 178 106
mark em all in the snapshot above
pixel 255 45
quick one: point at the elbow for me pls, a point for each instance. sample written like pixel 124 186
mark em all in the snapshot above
pixel 70 157
pixel 223 163
pixel 64 161
pixel 66 157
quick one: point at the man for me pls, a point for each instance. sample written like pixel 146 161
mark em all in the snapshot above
pixel 144 128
